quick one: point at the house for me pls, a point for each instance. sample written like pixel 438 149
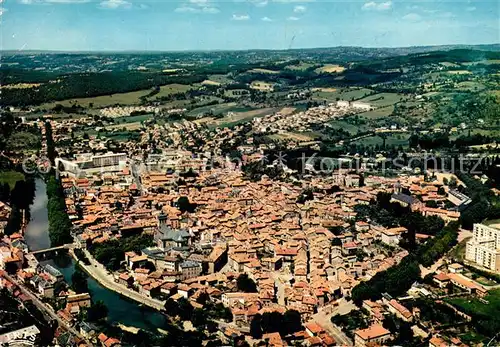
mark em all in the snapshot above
pixel 393 235
pixel 399 310
pixel 436 341
pixel 313 329
pixel 441 279
pixel 374 334
pixel 273 339
pixel 466 284
pixel 53 274
pixel 82 300
pixel 125 279
pixel 190 269
pixel 87 330
pixel 456 268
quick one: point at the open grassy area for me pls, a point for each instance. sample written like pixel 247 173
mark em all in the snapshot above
pixel 300 67
pixel 132 119
pixel 11 177
pixel 301 137
pixel 214 109
pixel 241 117
pixel 235 93
pixel 131 98
pixel 331 95
pixel 330 68
pixel 222 79
pixel 259 70
pixel 390 140
pixel 471 86
pixel 351 128
pixel 260 85
pixel 170 89
pixel 210 83
pixel 473 305
pixel 378 113
pixel 383 99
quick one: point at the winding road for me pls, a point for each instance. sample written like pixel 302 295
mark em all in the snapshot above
pixel 100 274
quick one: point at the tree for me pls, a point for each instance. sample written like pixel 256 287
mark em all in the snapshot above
pixel 185 309
pixel 291 322
pixel 452 183
pixel 199 318
pixel 246 284
pixel 171 307
pixel 97 311
pixel 272 322
pixel 79 281
pixel 184 205
pixel 255 329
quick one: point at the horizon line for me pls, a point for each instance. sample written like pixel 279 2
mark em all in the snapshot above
pixel 56 51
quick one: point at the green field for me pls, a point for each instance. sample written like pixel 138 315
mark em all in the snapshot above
pixel 131 98
pixel 382 99
pixel 352 128
pixel 222 79
pixel 215 109
pixel 473 305
pixel 132 119
pixel 378 113
pixel 331 94
pixel 235 93
pixel 11 177
pixel 243 117
pixel 300 67
pixel 170 89
pixel 391 140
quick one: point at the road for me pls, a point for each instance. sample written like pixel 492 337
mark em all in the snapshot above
pixel 462 235
pixel 100 274
pixel 47 309
pixel 323 318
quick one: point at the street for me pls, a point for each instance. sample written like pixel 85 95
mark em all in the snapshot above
pixel 45 308
pixel 100 274
pixel 323 318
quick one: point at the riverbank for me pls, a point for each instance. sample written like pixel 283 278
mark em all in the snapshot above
pixel 121 309
pixel 100 274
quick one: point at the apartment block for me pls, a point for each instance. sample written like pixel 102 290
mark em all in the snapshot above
pixel 484 247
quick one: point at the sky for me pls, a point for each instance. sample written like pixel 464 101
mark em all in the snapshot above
pixel 173 25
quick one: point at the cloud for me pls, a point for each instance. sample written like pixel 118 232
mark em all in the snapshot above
pixel 266 19
pixel 240 17
pixel 114 4
pixel 29 2
pixel 412 17
pixel 470 8
pixel 197 6
pixel 292 1
pixel 299 9
pixel 377 6
pixel 258 3
pixel 447 15
pixel 293 18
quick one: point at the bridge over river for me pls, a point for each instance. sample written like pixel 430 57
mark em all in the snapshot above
pixel 43 253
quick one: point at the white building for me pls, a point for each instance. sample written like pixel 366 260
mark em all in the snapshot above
pixel 484 247
pixel 362 105
pixel 343 103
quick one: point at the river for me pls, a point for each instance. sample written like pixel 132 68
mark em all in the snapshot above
pixel 120 310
